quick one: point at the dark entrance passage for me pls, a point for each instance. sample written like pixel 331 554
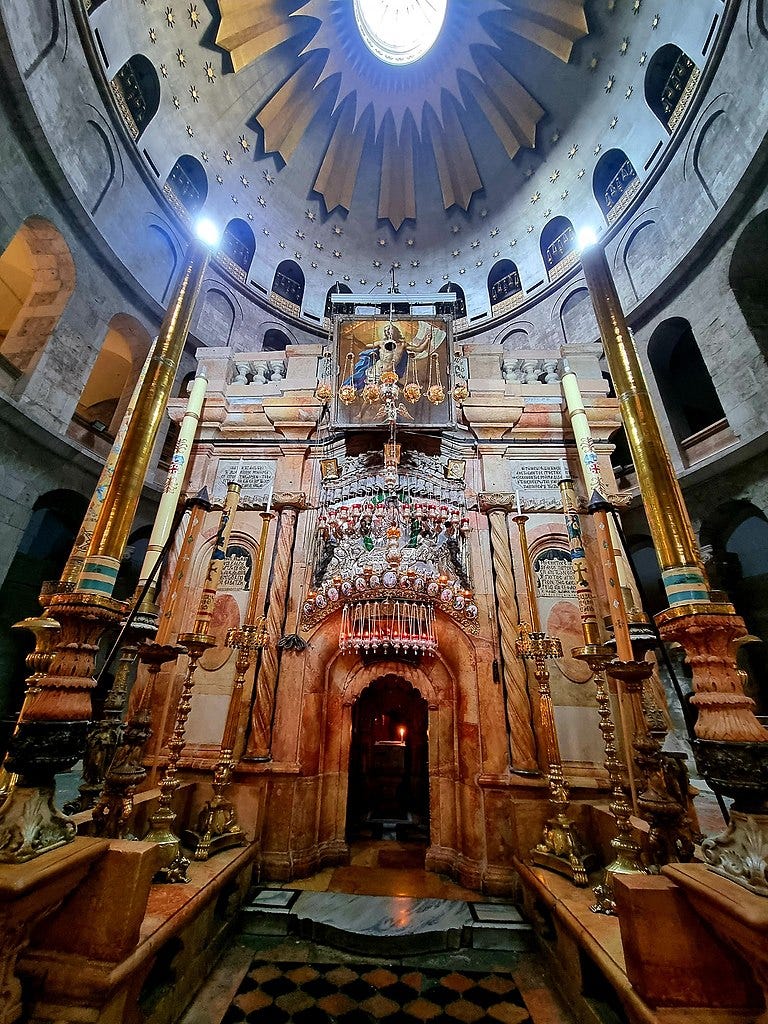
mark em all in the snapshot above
pixel 388 795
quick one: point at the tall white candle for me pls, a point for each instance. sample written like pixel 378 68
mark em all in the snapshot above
pixel 563 470
pixel 269 499
pixel 239 471
pixel 517 499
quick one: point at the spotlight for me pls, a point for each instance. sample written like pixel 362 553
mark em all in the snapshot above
pixel 207 232
pixel 587 237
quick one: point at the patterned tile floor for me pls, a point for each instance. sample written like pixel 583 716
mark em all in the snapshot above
pixel 302 981
pixel 352 993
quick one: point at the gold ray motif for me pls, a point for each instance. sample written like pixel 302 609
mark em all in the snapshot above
pixel 456 167
pixel 249 28
pixel 337 176
pixel 332 69
pixel 397 191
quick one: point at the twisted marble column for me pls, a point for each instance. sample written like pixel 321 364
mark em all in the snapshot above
pixel 519 708
pixel 262 711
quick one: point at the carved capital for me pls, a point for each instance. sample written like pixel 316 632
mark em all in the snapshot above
pixel 488 503
pixel 291 500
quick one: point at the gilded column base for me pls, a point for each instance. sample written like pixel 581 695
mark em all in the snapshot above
pixel 741 852
pixel 174 864
pixel 30 824
pixel 739 770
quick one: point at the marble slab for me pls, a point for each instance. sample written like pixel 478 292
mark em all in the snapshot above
pixel 376 924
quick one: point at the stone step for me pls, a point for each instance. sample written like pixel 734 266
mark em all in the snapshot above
pixel 393 925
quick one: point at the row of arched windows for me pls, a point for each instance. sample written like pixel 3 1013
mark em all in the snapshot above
pixel 669 81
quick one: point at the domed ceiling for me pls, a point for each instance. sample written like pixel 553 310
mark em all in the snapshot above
pixel 436 135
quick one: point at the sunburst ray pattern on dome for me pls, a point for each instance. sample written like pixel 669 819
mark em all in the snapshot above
pixel 398 107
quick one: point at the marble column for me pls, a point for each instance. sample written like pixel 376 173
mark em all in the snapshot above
pixel 519 710
pixel 262 712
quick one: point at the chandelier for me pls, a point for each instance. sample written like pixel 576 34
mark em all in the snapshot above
pixel 391 548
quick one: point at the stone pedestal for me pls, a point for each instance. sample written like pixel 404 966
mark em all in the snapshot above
pixel 672 956
pixel 738 917
pixel 29 893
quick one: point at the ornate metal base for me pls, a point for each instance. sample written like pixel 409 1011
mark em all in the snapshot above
pixel 174 863
pixel 559 849
pixel 217 830
pixel 741 852
pixel 30 825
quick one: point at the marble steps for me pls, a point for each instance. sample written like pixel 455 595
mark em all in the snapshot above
pixel 386 925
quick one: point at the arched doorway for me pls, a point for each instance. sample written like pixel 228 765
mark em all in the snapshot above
pixel 388 791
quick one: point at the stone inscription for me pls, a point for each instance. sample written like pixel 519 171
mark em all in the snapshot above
pixel 236 570
pixel 554 575
pixel 537 479
pixel 255 478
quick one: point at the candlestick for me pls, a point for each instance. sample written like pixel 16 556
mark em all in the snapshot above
pixel 559 847
pixel 174 865
pixel 597 656
pixel 530 586
pixel 217 825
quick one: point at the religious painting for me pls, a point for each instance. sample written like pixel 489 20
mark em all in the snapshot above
pixel 394 370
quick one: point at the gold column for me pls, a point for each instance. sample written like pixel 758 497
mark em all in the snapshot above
pixel 110 533
pixel 72 569
pixel 707 631
pixel 519 710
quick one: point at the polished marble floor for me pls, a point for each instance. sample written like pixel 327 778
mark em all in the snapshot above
pixel 385 868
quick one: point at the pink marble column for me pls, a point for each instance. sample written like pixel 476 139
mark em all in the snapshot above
pixel 519 708
pixel 259 739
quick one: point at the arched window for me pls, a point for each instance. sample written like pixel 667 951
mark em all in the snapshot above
pixel 734 546
pixel 187 186
pixel 558 247
pixel 288 287
pixel 275 341
pixel 504 288
pixel 686 388
pixel 110 385
pixel 621 457
pixel 41 555
pixel 137 90
pixel 614 183
pixel 237 248
pixel 459 308
pixel 748 276
pixel 669 84
pixel 337 289
pixel 37 277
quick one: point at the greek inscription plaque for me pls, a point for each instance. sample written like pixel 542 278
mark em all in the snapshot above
pixel 554 576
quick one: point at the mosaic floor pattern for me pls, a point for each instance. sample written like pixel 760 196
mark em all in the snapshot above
pixel 281 992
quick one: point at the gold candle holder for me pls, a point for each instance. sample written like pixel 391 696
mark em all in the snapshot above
pixel 161 831
pixel 217 825
pixel 559 848
pixel 597 656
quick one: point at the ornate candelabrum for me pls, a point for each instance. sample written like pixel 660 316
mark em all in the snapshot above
pixel 174 863
pixel 559 847
pixel 597 656
pixel 217 825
